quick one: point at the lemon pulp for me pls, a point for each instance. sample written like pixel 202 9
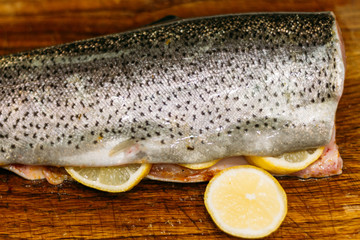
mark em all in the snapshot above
pixel 197 166
pixel 246 201
pixel 288 162
pixel 110 179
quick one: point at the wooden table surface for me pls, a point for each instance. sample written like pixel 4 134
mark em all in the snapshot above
pixel 326 208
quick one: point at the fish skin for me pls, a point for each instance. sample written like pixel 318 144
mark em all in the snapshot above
pixel 187 91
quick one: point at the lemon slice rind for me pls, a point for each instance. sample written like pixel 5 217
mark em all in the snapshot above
pixel 238 208
pixel 110 179
pixel 288 162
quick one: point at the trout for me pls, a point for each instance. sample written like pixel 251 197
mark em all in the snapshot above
pixel 183 91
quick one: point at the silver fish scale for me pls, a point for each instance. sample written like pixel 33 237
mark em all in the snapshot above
pixel 185 91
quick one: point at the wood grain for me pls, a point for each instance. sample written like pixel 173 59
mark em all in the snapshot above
pixel 326 208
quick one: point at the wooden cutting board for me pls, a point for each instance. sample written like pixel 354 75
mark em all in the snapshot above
pixel 326 208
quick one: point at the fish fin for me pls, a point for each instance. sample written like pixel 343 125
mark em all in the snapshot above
pixel 166 19
pixel 121 147
pixel 107 153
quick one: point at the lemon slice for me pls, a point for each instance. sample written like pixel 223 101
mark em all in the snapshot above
pixel 288 162
pixel 197 166
pixel 246 201
pixel 110 179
